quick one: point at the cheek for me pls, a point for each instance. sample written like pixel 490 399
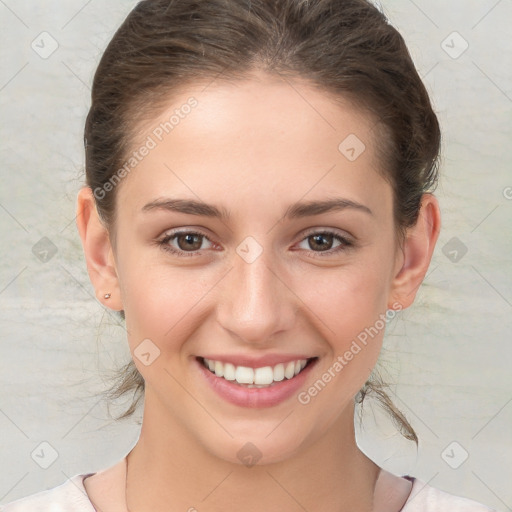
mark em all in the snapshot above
pixel 158 300
pixel 164 302
pixel 346 299
pixel 349 306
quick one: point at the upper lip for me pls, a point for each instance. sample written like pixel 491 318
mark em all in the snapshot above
pixel 256 362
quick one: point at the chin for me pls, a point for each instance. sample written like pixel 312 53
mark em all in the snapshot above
pixel 255 453
pixel 258 448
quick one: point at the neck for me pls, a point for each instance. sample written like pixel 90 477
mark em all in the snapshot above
pixel 167 470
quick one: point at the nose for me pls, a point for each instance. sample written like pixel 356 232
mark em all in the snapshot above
pixel 256 302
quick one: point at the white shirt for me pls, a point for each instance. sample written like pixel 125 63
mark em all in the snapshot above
pixel 71 496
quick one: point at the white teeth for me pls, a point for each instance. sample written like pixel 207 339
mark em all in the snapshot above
pixel 263 375
pixel 256 377
pixel 244 375
pixel 229 371
pixel 219 368
pixel 289 370
pixel 279 372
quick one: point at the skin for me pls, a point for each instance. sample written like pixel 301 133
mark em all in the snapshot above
pixel 254 148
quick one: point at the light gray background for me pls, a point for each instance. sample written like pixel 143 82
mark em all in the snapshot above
pixel 448 357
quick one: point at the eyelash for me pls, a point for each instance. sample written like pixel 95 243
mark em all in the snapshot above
pixel 164 243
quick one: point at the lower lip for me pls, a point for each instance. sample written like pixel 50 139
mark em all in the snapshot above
pixel 255 397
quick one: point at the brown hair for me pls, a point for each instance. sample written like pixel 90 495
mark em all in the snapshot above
pixel 345 48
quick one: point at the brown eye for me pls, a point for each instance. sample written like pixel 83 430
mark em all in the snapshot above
pixel 322 242
pixel 187 243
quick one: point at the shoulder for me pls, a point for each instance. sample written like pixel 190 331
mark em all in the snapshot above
pixel 67 497
pixel 425 498
pixel 104 489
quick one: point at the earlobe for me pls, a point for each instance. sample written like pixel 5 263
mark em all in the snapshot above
pixel 418 247
pixel 97 250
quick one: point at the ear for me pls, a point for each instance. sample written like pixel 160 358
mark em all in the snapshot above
pixel 97 250
pixel 414 258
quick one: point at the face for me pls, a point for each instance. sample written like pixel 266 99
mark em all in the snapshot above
pixel 259 278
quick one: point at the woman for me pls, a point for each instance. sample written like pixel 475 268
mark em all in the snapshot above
pixel 258 204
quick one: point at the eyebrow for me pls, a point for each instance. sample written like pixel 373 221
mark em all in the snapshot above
pixel 294 211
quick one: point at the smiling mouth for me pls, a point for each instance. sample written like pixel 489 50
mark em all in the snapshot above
pixel 262 377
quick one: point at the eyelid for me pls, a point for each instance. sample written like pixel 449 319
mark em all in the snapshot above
pixel 164 240
pixel 331 231
pixel 346 241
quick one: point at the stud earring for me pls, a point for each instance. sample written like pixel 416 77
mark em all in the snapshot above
pixel 107 295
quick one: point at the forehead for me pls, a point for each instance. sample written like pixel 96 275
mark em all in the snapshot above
pixel 254 142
